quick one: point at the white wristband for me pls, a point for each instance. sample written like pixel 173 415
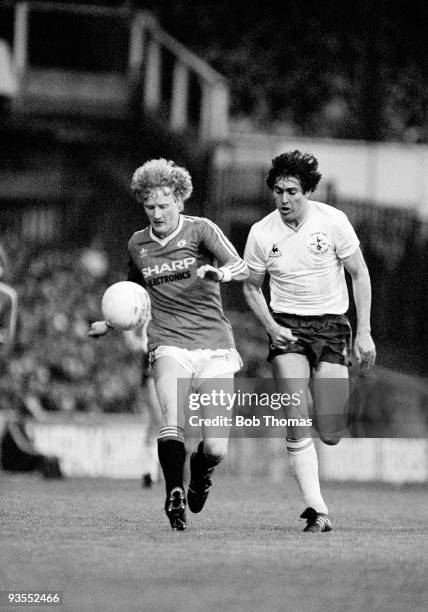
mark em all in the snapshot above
pixel 227 275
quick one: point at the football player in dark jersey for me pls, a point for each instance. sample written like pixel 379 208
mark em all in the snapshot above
pixel 181 261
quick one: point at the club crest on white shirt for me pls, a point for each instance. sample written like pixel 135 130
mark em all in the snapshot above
pixel 318 243
pixel 275 252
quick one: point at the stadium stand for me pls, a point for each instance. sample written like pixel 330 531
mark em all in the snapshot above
pixel 60 169
pixel 53 362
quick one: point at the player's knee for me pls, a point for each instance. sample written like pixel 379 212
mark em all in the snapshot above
pixel 331 439
pixel 216 449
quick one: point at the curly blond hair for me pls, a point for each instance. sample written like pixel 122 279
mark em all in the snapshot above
pixel 159 172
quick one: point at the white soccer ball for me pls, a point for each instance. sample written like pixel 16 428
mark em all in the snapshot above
pixel 125 305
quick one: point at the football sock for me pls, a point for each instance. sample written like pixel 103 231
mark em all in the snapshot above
pixel 304 467
pixel 172 455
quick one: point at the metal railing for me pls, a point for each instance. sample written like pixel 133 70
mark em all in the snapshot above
pixel 143 80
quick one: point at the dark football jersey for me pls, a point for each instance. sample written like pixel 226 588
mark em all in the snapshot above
pixel 186 310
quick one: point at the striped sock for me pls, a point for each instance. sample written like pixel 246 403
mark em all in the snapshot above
pixel 172 455
pixel 304 467
pixel 171 432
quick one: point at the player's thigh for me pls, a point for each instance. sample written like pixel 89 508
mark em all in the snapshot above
pixel 331 398
pixel 291 373
pixel 290 366
pixel 172 382
pixel 218 413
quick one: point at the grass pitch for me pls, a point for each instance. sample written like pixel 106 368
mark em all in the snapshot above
pixel 108 546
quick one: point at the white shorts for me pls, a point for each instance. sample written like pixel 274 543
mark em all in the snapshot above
pixel 202 363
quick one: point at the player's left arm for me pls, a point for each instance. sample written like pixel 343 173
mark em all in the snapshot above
pixel 232 267
pixel 364 347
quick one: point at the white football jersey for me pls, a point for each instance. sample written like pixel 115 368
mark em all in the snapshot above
pixel 305 263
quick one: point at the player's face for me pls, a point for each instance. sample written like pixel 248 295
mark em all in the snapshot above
pixel 162 210
pixel 290 200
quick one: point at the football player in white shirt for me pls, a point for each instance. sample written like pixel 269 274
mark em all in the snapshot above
pixel 305 246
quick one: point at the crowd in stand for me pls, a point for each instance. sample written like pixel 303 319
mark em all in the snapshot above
pixel 53 363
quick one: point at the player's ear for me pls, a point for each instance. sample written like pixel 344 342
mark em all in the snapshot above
pixel 180 204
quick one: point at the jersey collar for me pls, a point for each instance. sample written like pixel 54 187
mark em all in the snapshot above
pixel 295 228
pixel 164 241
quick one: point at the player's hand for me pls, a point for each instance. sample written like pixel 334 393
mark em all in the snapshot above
pixel 281 336
pixel 365 350
pixel 98 328
pixel 210 273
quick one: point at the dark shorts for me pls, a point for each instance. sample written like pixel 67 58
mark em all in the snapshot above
pixel 321 338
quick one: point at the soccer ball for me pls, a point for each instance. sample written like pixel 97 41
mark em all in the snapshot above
pixel 125 305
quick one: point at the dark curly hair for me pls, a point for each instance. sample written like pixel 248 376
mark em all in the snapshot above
pixel 295 163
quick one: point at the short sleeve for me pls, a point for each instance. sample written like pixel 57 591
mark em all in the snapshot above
pixel 254 253
pixel 346 240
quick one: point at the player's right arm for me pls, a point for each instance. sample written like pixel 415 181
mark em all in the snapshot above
pixel 280 336
pixel 99 328
pixel 255 257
